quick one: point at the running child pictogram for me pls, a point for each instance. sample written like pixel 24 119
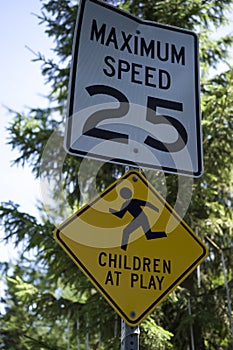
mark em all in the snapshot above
pixel 135 208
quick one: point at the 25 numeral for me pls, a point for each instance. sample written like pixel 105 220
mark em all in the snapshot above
pixel 90 127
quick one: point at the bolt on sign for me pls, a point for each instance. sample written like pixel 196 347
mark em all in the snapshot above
pixel 134 92
pixel 132 246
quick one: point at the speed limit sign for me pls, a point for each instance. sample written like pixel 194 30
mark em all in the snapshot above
pixel 134 92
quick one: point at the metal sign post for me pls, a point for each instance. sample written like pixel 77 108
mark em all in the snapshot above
pixel 129 337
pixel 134 102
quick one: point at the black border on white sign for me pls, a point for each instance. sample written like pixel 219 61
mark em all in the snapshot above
pixel 72 85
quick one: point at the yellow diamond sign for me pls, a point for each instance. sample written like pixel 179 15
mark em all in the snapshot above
pixel 132 245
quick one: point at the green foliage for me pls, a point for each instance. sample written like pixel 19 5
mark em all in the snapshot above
pixel 49 303
pixel 154 337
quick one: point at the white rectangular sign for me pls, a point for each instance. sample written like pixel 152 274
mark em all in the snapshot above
pixel 134 92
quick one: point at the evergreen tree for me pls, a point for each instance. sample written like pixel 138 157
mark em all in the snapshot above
pixel 49 303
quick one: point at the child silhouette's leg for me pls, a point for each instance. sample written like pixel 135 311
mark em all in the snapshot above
pixel 152 235
pixel 149 234
pixel 132 226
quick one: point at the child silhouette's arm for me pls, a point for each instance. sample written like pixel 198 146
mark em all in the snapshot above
pixel 149 205
pixel 119 213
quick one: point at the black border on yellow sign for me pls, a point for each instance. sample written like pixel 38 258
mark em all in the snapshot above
pixel 75 258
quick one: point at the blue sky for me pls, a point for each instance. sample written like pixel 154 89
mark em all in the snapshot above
pixel 21 86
